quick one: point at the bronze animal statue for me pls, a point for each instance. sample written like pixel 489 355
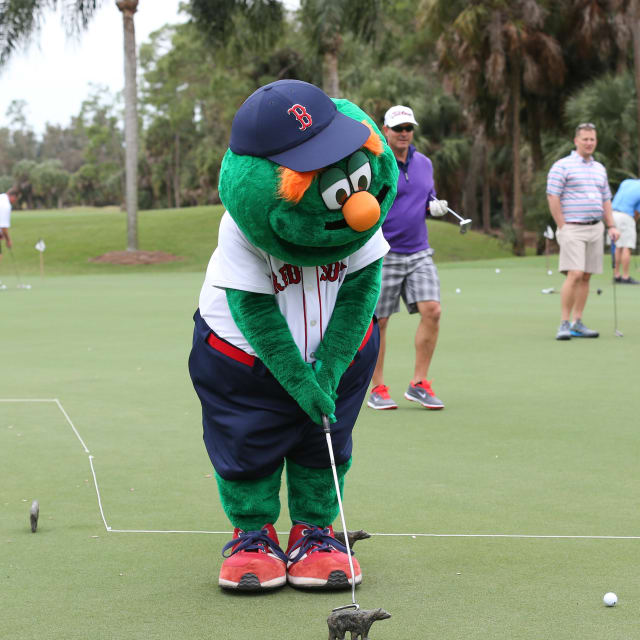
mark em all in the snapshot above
pixel 358 622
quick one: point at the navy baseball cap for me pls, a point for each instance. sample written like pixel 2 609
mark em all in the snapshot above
pixel 295 124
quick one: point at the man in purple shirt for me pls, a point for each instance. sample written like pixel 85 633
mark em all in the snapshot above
pixel 579 198
pixel 408 271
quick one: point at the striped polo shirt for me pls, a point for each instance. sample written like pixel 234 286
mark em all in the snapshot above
pixel 582 186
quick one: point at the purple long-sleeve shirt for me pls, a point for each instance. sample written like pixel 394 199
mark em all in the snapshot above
pixel 405 229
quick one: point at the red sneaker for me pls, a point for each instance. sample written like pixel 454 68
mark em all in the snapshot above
pixel 255 563
pixel 318 560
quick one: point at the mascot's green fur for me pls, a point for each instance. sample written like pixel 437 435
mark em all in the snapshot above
pixel 297 233
pixel 306 230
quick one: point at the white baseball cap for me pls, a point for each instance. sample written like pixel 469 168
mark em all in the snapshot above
pixel 399 115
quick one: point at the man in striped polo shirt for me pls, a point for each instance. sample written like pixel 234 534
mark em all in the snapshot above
pixel 579 199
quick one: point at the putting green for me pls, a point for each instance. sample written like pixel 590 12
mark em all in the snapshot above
pixel 500 504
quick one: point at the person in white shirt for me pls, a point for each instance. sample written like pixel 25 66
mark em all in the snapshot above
pixel 7 200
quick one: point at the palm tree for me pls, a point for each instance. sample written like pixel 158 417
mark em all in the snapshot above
pixel 128 9
pixel 627 21
pixel 326 23
pixel 19 20
pixel 498 54
pixel 218 19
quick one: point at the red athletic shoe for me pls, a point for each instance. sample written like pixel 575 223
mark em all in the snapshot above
pixel 318 560
pixel 256 561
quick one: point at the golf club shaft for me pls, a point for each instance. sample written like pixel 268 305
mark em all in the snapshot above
pixel 615 302
pixel 15 267
pixel 327 430
pixel 451 211
pixel 456 215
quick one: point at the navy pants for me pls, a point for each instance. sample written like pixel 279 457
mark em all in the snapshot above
pixel 251 424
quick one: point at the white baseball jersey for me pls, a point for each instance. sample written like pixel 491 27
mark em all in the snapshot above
pixel 306 296
pixel 5 211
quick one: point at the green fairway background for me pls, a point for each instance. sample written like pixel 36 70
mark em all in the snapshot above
pixel 538 438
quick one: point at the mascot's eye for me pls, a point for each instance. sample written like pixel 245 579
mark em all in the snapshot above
pixel 334 188
pixel 359 171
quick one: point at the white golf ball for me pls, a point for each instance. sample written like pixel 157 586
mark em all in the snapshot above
pixel 549 273
pixel 497 270
pixel 610 599
pixel 457 290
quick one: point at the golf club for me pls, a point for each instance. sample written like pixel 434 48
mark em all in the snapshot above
pixel 326 426
pixel 615 302
pixel 465 223
pixel 548 236
pixel 20 285
pixel 358 621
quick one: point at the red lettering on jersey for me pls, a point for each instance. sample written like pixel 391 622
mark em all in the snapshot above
pixel 301 115
pixel 293 274
pixel 289 274
pixel 277 287
pixel 331 272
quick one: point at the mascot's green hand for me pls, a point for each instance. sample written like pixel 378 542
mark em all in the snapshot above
pixel 315 402
pixel 327 378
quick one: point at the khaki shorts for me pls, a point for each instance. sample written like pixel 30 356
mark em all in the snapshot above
pixel 581 247
pixel 626 225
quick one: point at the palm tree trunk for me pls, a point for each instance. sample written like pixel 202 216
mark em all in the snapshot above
pixel 128 9
pixel 518 214
pixel 635 32
pixel 176 171
pixel 470 194
pixel 330 80
pixel 535 138
pixel 506 199
pixel 486 192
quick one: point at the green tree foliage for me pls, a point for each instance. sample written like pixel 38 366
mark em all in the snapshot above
pixel 23 179
pixel 327 22
pixel 218 20
pixel 610 103
pixel 6 182
pixel 20 18
pixel 496 86
pixel 50 182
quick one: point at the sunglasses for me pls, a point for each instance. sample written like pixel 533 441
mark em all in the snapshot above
pixel 402 127
pixel 585 125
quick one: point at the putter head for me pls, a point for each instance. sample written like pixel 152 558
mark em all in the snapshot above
pixel 619 334
pixel 464 225
pixel 354 605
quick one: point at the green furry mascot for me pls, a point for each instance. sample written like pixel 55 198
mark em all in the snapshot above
pixel 284 332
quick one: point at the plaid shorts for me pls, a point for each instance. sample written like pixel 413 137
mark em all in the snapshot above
pixel 411 276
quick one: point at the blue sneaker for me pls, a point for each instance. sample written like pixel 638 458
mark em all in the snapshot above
pixel 578 330
pixel 564 331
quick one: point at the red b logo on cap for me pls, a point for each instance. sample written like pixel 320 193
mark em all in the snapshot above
pixel 301 116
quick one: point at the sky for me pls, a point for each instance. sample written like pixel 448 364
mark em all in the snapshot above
pixel 53 75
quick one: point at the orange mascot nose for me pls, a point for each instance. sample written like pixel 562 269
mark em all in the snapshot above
pixel 361 211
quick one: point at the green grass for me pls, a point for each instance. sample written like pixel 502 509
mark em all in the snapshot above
pixel 538 438
pixel 516 451
pixel 74 236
